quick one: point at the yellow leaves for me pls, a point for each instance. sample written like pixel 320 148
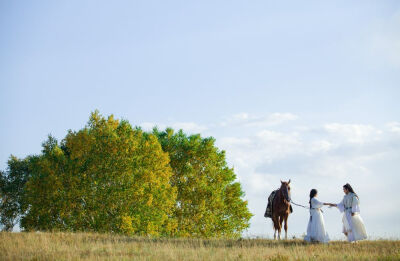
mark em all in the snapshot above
pixel 58 151
pixel 171 226
pixel 149 200
pixel 126 225
pixel 79 144
pixel 111 122
pixel 152 229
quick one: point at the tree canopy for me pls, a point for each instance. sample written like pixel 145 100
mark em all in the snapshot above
pixel 209 201
pixel 111 177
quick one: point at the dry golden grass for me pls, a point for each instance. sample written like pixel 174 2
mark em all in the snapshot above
pixel 87 246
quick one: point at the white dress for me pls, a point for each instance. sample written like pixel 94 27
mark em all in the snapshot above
pixel 352 225
pixel 316 226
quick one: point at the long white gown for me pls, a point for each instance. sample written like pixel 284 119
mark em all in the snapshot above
pixel 316 226
pixel 352 225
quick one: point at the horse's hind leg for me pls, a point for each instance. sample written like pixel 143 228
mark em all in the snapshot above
pixel 285 219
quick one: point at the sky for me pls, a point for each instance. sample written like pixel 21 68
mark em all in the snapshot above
pixel 300 90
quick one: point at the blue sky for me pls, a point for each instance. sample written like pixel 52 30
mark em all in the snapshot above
pixel 304 90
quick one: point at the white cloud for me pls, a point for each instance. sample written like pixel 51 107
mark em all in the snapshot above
pixel 354 133
pixel 324 156
pixel 259 183
pixel 339 167
pixel 321 146
pixel 264 146
pixel 394 126
pixel 229 141
pixel 247 120
pixel 279 118
pixel 279 138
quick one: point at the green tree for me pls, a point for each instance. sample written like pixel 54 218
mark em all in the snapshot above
pixel 43 194
pixel 12 184
pixel 107 177
pixel 110 177
pixel 209 201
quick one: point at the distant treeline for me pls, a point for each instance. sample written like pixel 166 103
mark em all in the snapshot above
pixel 112 177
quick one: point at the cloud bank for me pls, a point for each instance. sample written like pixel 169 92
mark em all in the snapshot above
pixel 264 149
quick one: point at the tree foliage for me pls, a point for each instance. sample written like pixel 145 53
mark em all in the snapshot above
pixel 110 177
pixel 106 177
pixel 209 201
pixel 12 184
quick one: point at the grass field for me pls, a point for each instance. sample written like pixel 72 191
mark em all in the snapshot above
pixel 87 246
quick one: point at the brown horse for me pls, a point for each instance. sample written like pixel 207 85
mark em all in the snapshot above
pixel 281 208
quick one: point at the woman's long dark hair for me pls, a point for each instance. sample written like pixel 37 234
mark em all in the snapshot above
pixel 349 188
pixel 313 192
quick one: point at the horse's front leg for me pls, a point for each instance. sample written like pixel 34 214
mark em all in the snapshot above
pixel 285 219
pixel 280 227
pixel 275 221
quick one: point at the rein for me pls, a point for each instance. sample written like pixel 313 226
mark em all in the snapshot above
pixel 302 206
pixel 298 205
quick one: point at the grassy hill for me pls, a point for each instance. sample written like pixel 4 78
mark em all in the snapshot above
pixel 88 246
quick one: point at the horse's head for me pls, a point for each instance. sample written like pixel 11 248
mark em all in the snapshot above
pixel 285 188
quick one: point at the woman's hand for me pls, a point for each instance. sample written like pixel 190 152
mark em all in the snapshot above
pixel 330 204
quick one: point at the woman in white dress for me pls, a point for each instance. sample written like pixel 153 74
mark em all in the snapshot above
pixel 316 226
pixel 353 225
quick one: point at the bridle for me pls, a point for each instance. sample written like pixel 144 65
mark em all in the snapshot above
pixel 285 192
